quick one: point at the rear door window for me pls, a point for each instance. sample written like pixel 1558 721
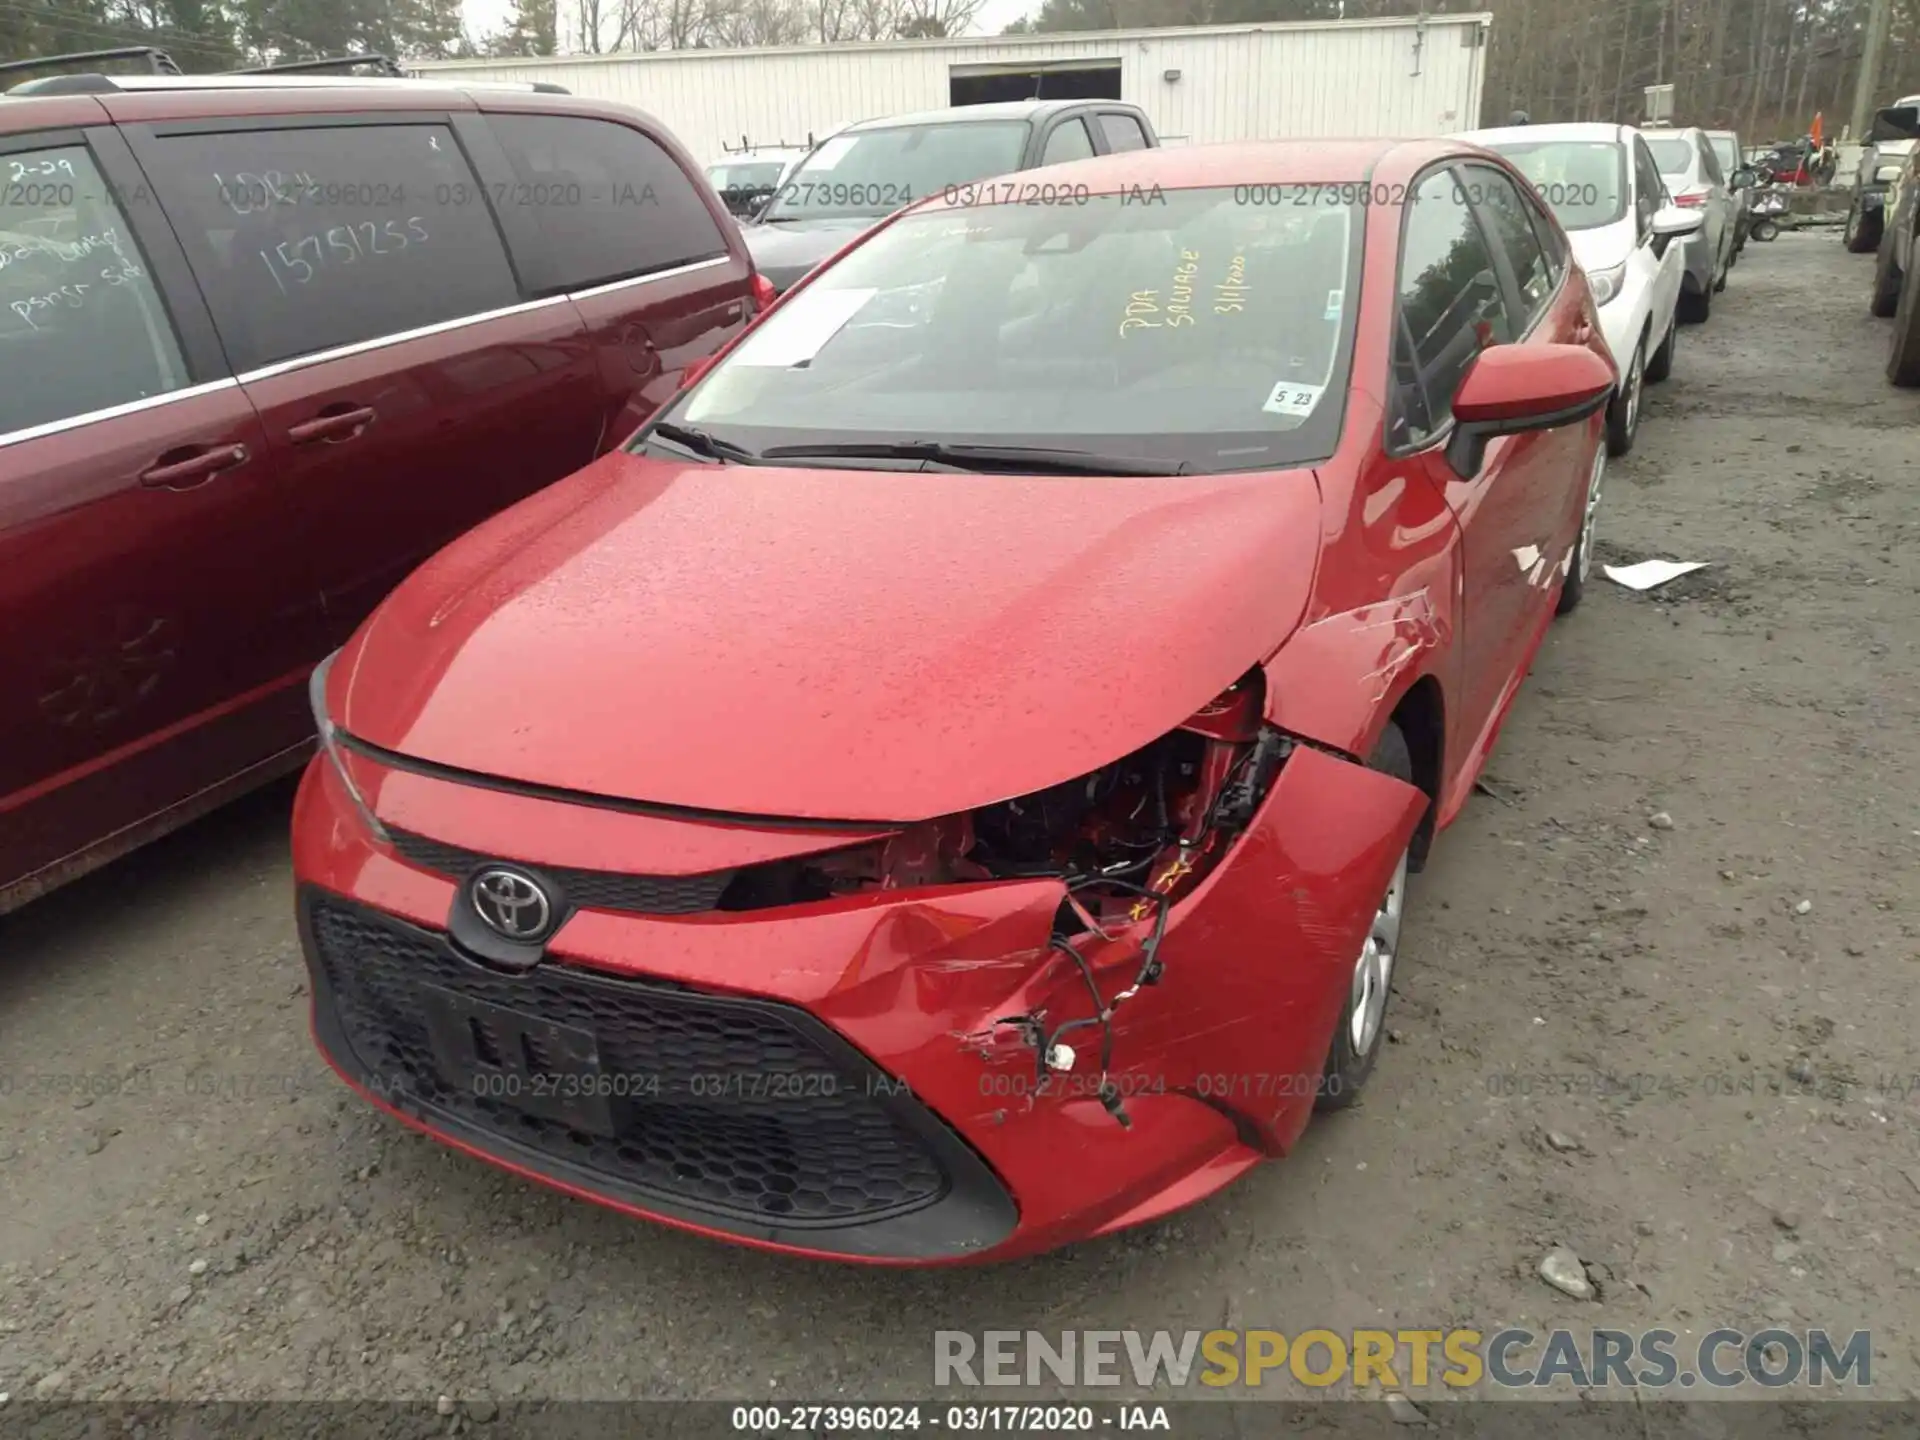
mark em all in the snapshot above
pixel 82 327
pixel 1069 141
pixel 610 202
pixel 308 239
pixel 1123 132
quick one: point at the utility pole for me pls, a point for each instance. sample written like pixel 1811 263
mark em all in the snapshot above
pixel 1869 77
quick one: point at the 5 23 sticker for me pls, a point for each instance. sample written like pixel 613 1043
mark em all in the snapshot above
pixel 1290 397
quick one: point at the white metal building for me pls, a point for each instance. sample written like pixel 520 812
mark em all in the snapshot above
pixel 1406 77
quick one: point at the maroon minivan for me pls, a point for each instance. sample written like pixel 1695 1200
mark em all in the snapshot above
pixel 265 346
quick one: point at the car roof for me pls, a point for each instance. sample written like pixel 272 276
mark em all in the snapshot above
pixel 970 114
pixel 1589 130
pixel 25 113
pixel 86 83
pixel 1247 162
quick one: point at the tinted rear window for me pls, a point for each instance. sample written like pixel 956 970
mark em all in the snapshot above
pixel 308 239
pixel 610 202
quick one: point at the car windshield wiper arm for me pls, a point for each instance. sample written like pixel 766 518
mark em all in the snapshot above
pixel 701 443
pixel 1035 459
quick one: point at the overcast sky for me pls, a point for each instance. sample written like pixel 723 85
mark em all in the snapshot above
pixel 486 16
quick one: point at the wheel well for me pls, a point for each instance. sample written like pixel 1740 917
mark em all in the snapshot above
pixel 1421 718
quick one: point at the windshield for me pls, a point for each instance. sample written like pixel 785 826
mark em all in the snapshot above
pixel 1672 154
pixel 1188 330
pixel 1583 181
pixel 875 172
pixel 743 175
pixel 1728 152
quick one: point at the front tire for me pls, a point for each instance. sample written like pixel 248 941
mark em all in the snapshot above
pixel 1886 281
pixel 1863 229
pixel 1362 1029
pixel 1660 366
pixel 1623 413
pixel 1903 362
pixel 1696 305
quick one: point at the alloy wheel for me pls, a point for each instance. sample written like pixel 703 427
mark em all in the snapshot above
pixel 1373 971
pixel 1634 377
pixel 1589 522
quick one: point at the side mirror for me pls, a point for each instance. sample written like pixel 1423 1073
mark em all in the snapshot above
pixel 1514 389
pixel 1898 122
pixel 1744 178
pixel 1674 220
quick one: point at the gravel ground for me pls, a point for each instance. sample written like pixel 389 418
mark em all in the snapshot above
pixel 1695 874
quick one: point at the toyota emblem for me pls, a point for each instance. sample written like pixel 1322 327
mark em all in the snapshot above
pixel 512 905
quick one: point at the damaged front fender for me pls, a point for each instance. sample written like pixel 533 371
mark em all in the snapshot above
pixel 1336 680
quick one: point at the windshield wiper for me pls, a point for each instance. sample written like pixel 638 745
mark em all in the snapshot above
pixel 1021 459
pixel 701 443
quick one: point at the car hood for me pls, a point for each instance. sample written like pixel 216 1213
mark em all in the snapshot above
pixel 784 253
pixel 858 645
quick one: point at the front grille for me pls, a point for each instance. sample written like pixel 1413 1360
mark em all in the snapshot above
pixel 593 889
pixel 735 1108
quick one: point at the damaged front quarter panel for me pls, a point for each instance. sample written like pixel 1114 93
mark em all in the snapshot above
pixel 1335 680
pixel 1219 1055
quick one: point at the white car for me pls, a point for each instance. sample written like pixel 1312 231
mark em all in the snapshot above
pixel 1602 184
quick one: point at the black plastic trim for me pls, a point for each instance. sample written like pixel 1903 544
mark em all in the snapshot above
pixel 976 1213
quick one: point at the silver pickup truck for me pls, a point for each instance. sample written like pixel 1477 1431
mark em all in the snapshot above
pixel 1880 165
pixel 1896 290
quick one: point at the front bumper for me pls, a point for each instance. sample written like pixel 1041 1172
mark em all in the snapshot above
pixel 832 1079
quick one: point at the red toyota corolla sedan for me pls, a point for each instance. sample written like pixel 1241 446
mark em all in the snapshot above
pixel 946 788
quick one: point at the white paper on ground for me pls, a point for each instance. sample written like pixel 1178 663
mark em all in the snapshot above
pixel 802 329
pixel 1649 573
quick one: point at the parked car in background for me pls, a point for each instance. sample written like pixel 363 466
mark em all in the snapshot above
pixel 1602 185
pixel 1728 151
pixel 873 168
pixel 1046 612
pixel 747 178
pixel 1895 291
pixel 1880 165
pixel 265 345
pixel 1695 180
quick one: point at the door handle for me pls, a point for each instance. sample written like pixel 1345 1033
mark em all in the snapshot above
pixel 192 465
pixel 333 425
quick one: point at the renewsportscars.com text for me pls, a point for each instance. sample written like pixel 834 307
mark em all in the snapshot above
pixel 1510 1358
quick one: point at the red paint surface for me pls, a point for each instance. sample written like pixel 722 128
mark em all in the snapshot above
pixel 860 645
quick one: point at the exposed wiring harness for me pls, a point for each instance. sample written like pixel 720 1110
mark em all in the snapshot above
pixel 1148 974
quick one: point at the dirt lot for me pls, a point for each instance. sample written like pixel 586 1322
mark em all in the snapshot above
pixel 233 1224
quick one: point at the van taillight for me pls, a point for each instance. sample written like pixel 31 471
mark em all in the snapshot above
pixel 763 292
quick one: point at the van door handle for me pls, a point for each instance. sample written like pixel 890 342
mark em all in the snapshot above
pixel 192 465
pixel 333 425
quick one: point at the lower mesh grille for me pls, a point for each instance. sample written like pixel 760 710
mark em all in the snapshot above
pixel 738 1108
